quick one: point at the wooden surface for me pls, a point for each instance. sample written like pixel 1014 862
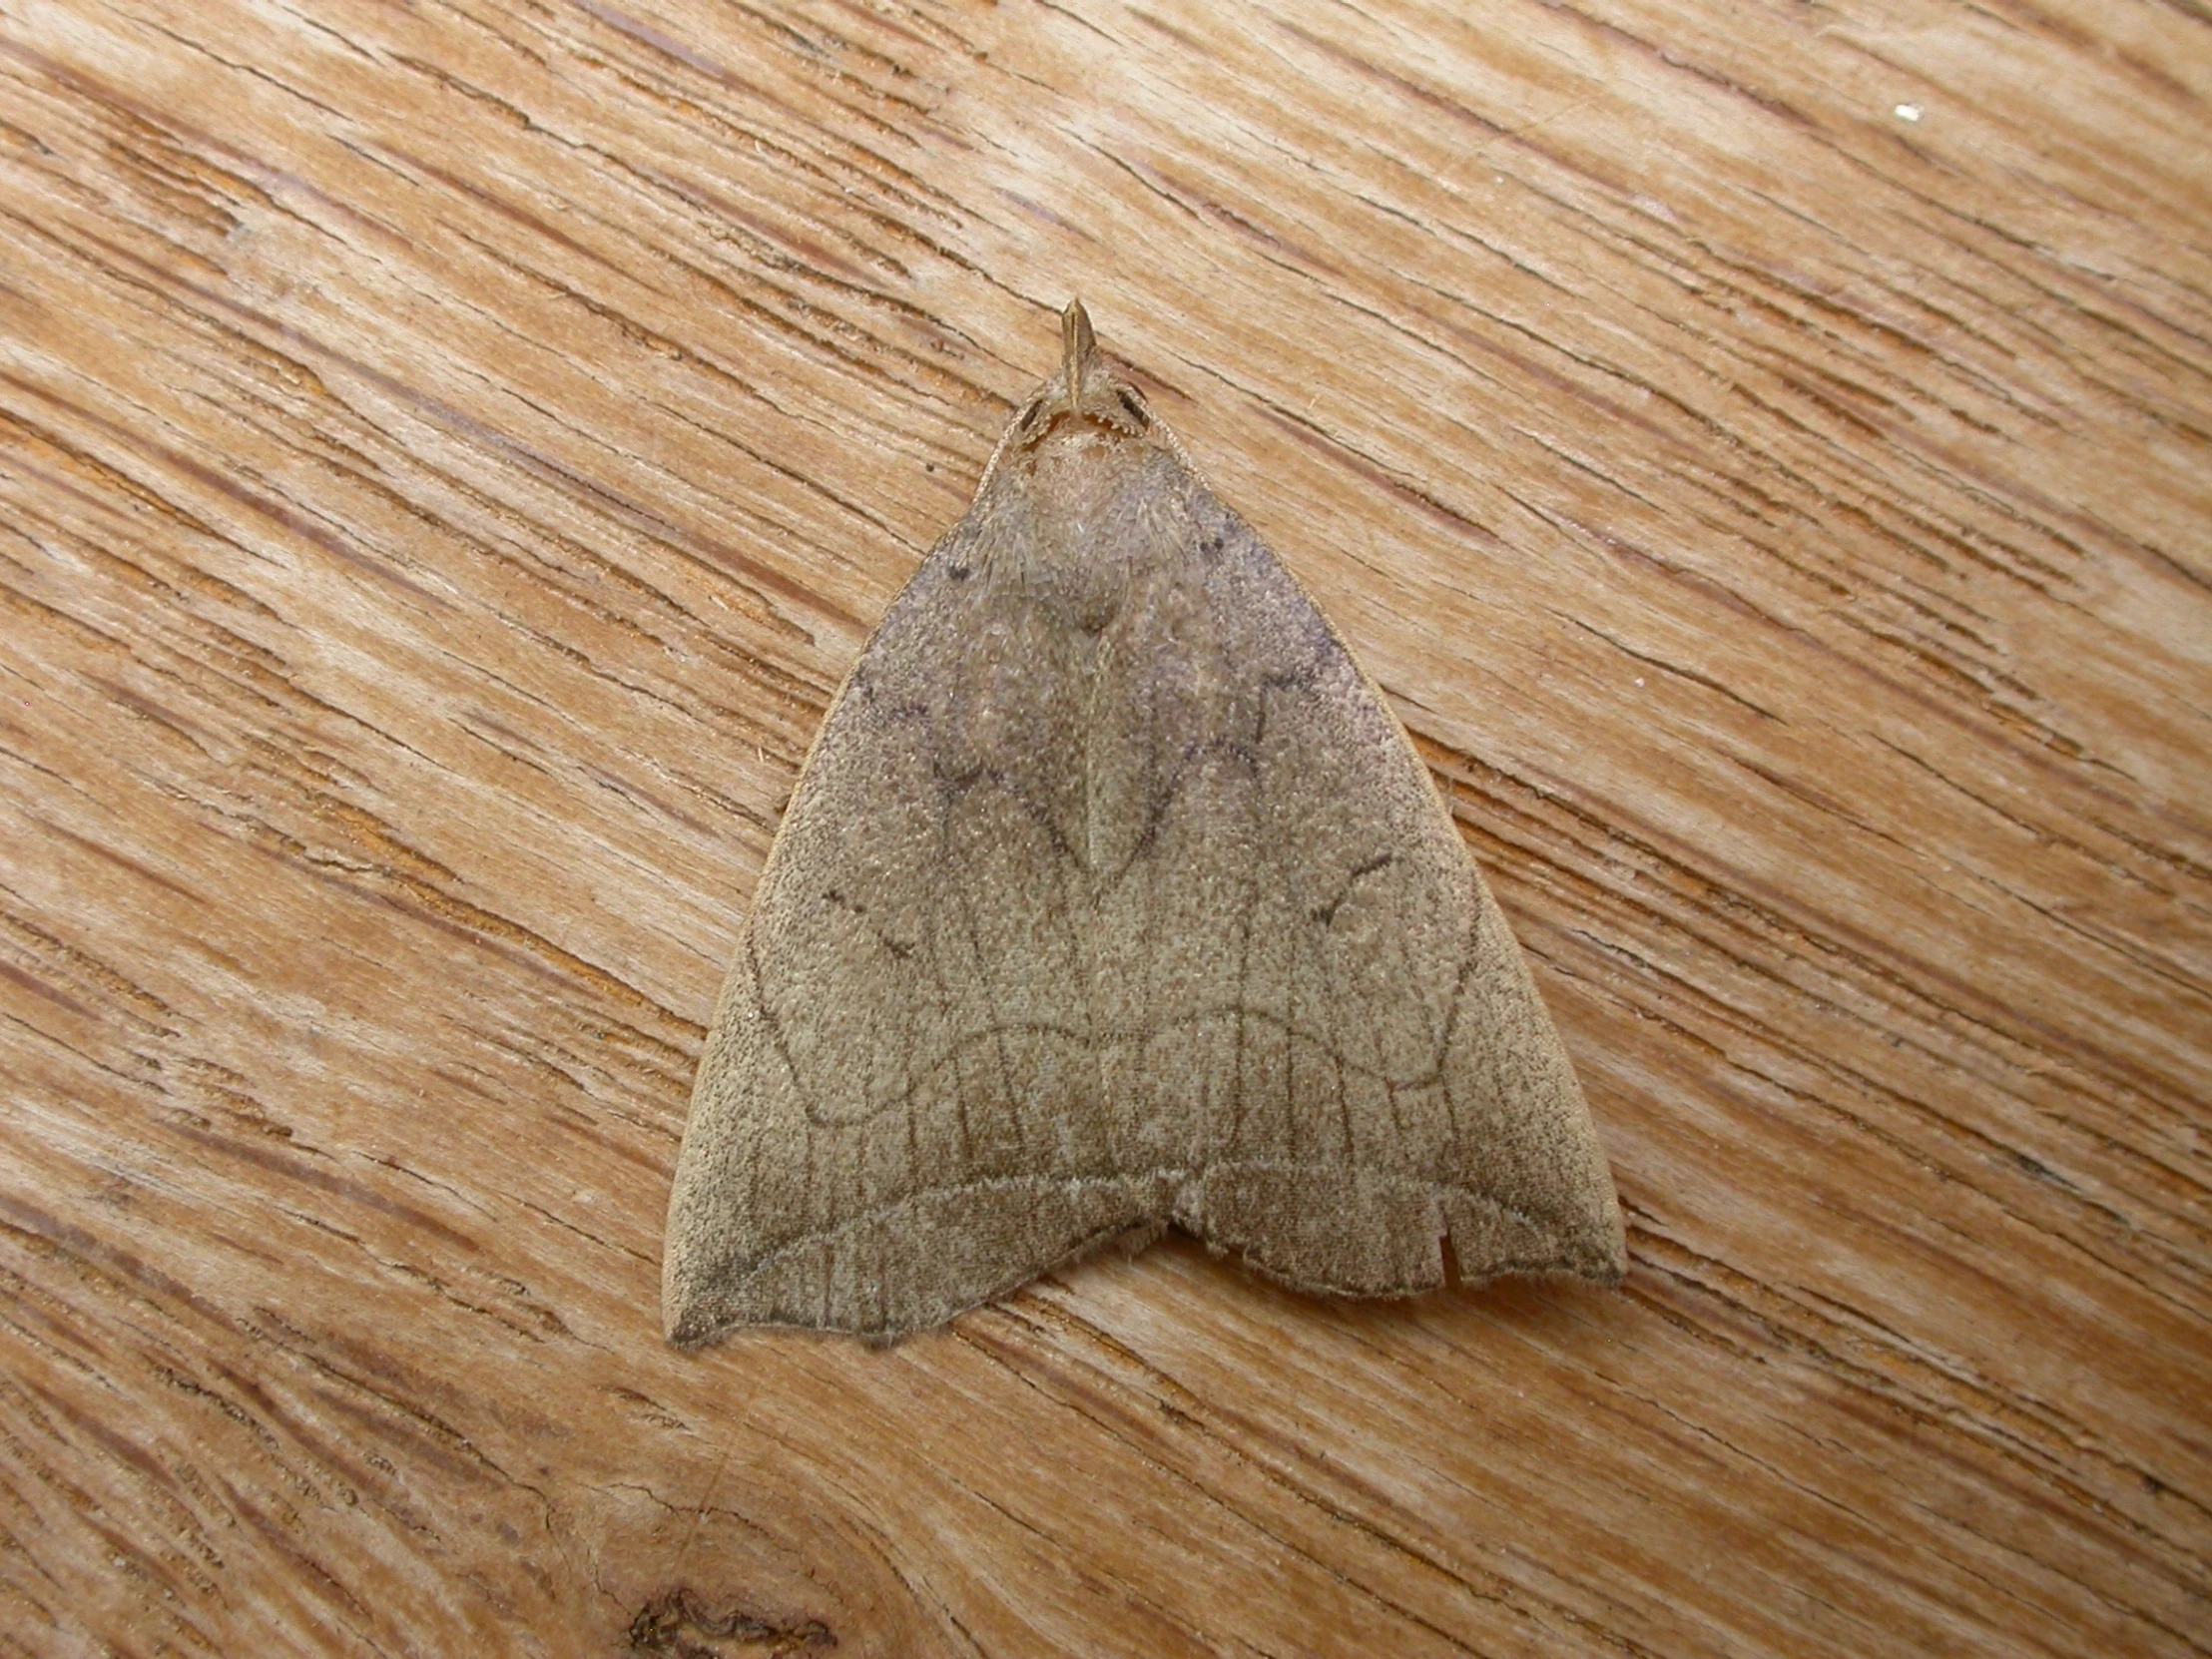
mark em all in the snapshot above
pixel 452 450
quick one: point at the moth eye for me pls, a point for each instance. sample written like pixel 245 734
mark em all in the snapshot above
pixel 1136 409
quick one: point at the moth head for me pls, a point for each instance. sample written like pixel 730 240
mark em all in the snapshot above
pixel 1086 406
pixel 1087 388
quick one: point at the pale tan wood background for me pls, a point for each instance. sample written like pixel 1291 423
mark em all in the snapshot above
pixel 451 451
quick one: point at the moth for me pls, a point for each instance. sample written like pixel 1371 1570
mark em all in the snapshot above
pixel 1112 897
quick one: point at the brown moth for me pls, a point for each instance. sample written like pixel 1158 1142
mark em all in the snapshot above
pixel 1111 896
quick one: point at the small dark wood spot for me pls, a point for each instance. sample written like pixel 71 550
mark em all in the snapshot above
pixel 680 1622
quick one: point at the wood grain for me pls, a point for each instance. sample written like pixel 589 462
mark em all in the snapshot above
pixel 450 453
